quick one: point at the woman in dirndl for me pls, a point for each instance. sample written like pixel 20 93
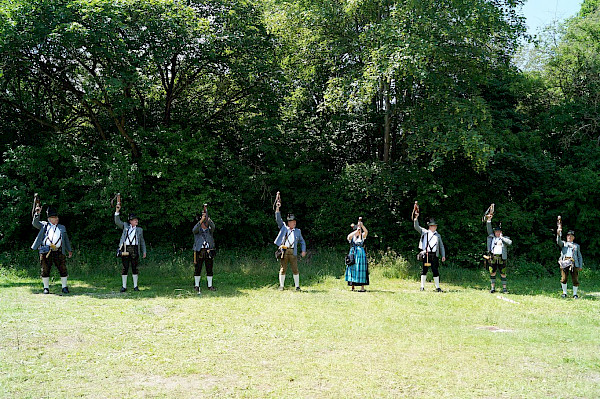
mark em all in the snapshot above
pixel 357 274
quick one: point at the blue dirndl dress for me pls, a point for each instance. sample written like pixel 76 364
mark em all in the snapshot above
pixel 358 273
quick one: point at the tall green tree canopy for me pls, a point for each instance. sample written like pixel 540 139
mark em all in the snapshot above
pixel 348 107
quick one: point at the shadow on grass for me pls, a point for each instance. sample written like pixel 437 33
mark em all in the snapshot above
pixel 165 273
pixel 479 279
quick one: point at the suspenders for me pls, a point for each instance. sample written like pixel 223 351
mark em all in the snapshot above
pixel 427 247
pixel 52 244
pixel 129 239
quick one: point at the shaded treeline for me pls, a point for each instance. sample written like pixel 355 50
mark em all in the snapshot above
pixel 347 107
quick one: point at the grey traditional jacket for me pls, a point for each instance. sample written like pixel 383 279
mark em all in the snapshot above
pixel 65 245
pixel 139 234
pixel 200 236
pixel 440 250
pixel 282 232
pixel 564 247
pixel 490 240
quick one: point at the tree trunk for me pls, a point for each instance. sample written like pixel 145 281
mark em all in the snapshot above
pixel 387 142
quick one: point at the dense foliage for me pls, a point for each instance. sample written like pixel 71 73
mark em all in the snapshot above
pixel 347 107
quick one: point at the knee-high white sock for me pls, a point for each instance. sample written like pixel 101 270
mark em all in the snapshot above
pixel 423 280
pixel 575 290
pixel 437 281
pixel 209 278
pixel 196 281
pixel 564 287
pixel 135 279
pixel 46 281
pixel 282 280
pixel 63 281
pixel 297 280
pixel 124 278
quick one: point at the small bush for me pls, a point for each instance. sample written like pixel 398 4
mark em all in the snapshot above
pixel 524 267
pixel 391 265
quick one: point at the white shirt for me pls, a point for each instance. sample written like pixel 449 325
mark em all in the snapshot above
pixel 53 235
pixel 430 241
pixel 205 243
pixel 131 238
pixel 569 253
pixel 358 240
pixel 497 245
pixel 291 239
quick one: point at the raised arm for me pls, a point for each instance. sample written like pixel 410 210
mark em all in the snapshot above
pixel 118 221
pixel 418 228
pixel 559 240
pixel 365 231
pixel 488 226
pixel 351 235
pixel 36 221
pixel 278 218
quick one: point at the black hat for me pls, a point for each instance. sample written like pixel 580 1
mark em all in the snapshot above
pixel 51 212
pixel 132 216
pixel 431 222
pixel 290 217
pixel 498 228
pixel 571 233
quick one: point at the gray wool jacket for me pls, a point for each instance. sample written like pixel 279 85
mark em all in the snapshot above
pixel 564 247
pixel 298 239
pixel 65 246
pixel 440 250
pixel 200 236
pixel 490 240
pixel 139 233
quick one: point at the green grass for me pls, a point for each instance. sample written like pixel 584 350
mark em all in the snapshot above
pixel 249 340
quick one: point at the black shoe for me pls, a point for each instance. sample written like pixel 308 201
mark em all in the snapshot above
pixel 46 291
pixel 563 296
pixel 422 289
pixel 492 290
pixel 438 290
pixel 212 288
pixel 298 289
pixel 575 296
pixel 123 289
pixel 136 289
pixel 65 290
pixel 197 289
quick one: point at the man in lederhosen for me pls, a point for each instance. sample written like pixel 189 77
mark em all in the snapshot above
pixel 132 244
pixel 52 243
pixel 497 247
pixel 287 240
pixel 571 261
pixel 204 251
pixel 431 247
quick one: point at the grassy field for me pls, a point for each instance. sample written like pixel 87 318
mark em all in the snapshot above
pixel 249 340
